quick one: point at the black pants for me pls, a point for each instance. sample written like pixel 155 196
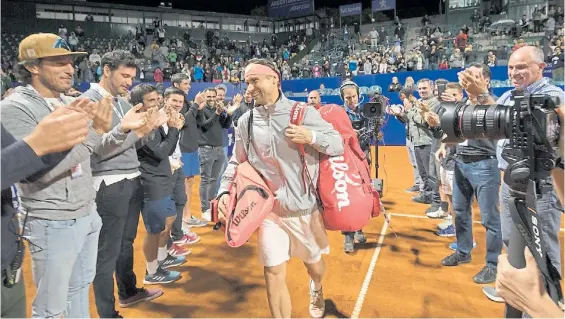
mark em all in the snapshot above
pixel 13 299
pixel 119 206
pixel 179 196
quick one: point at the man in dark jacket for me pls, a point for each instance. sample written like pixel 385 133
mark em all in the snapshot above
pixel 158 210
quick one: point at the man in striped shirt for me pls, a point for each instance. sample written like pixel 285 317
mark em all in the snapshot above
pixel 525 71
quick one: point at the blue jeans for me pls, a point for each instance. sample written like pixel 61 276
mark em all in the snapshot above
pixel 63 261
pixel 481 179
pixel 549 212
pixel 224 166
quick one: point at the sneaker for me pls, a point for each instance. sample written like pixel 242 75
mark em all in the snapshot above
pixel 207 216
pixel 188 239
pixel 438 213
pixel 432 208
pixel 448 232
pixel 360 237
pixel 161 276
pixel 172 261
pixel 178 250
pixel 487 275
pixel 491 294
pixel 194 222
pixel 443 225
pixel 455 259
pixel 141 295
pixel 421 199
pixel 413 189
pixel 453 245
pixel 317 304
pixel 349 243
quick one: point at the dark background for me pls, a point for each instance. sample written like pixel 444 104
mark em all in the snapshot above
pixel 405 8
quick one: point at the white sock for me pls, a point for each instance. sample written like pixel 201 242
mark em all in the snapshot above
pixel 162 253
pixel 152 266
pixel 316 286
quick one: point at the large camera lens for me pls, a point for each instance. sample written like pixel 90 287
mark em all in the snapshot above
pixel 461 122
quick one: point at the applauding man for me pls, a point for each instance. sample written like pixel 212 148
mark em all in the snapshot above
pixel 115 171
pixel 62 224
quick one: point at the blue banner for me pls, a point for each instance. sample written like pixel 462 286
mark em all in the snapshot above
pixel 383 5
pixel 290 8
pixel 350 9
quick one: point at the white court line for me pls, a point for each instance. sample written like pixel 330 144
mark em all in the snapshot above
pixel 425 217
pixel 372 265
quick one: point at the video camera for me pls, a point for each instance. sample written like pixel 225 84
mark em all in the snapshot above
pixel 532 127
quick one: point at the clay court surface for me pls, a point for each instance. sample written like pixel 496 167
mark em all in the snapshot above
pixel 390 276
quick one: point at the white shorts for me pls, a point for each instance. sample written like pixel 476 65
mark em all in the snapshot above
pixel 446 180
pixel 303 237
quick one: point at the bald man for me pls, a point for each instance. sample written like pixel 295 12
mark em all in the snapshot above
pixel 314 99
pixel 525 71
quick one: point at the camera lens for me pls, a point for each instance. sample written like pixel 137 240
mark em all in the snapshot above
pixel 461 122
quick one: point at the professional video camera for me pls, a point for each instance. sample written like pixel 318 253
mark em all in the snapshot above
pixel 532 127
pixel 373 113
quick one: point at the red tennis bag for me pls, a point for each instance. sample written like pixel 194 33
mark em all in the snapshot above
pixel 345 189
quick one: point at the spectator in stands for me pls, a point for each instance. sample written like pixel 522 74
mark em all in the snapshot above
pixel 557 64
pixel 158 209
pixel 94 57
pixel 409 84
pixel 79 31
pixel 394 86
pixel 470 55
pixel 461 40
pixel 475 19
pixel 211 120
pixel 456 60
pixel 64 229
pixel 119 196
pixel 63 32
pixel 314 99
pixel 374 37
pixel 536 16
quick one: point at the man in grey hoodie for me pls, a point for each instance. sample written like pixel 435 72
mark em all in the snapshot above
pixel 119 197
pixel 62 224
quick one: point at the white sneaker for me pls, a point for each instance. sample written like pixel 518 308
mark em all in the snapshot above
pixel 317 303
pixel 448 222
pixel 207 215
pixel 439 213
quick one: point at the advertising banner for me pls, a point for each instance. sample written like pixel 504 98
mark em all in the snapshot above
pixel 290 8
pixel 354 9
pixel 383 5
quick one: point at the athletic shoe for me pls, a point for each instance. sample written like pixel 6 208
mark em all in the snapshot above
pixel 448 232
pixel 178 250
pixel 360 237
pixel 349 243
pixel 141 295
pixel 491 294
pixel 161 276
pixel 448 221
pixel 194 222
pixel 207 216
pixel 413 189
pixel 317 303
pixel 188 239
pixel 172 261
pixel 438 213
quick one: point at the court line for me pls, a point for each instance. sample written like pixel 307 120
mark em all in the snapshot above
pixel 425 217
pixel 372 265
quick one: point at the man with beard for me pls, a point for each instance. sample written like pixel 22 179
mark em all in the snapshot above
pixel 119 196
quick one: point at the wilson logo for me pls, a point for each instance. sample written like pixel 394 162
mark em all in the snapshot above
pixel 243 213
pixel 339 173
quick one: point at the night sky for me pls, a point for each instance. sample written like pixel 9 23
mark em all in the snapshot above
pixel 244 6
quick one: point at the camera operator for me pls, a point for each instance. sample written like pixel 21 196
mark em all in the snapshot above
pixel 421 136
pixel 350 94
pixel 525 70
pixel 476 172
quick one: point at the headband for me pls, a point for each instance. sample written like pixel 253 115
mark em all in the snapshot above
pixel 259 69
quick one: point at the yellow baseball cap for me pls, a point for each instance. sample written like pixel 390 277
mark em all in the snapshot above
pixel 44 45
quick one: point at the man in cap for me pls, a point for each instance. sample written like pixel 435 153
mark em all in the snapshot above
pixel 62 223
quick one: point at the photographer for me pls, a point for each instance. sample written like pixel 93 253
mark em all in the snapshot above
pixel 350 95
pixel 525 70
pixel 476 173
